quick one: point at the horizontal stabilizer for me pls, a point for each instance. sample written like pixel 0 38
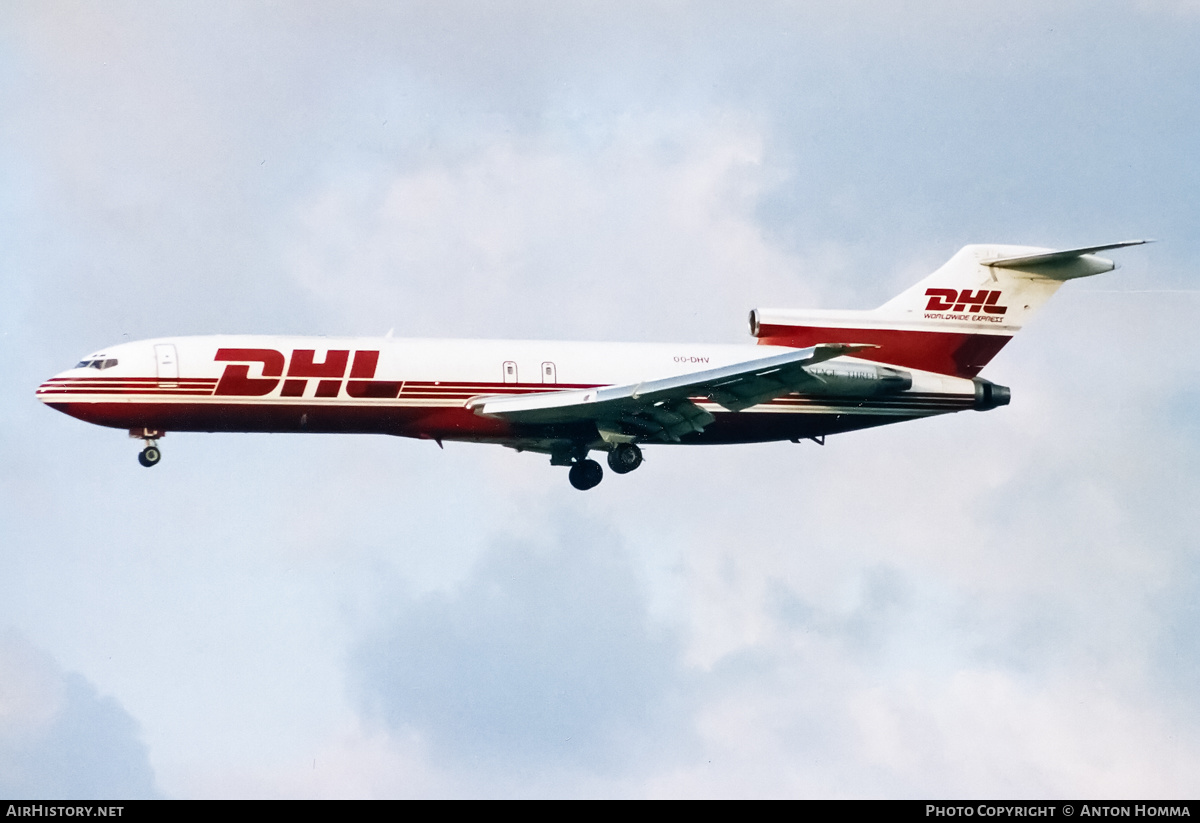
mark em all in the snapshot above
pixel 1053 257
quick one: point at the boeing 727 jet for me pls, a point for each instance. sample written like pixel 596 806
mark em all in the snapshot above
pixel 811 374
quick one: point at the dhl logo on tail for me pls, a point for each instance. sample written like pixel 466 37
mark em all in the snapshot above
pixel 957 301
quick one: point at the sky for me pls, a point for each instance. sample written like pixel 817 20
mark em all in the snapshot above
pixel 999 604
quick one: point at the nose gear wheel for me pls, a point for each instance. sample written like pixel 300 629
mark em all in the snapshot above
pixel 150 455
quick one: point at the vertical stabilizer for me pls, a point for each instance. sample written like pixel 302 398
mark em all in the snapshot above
pixel 952 322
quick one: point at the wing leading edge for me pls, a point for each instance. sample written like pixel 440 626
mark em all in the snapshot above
pixel 664 409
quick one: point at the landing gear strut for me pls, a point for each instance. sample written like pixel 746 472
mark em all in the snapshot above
pixel 586 474
pixel 150 455
pixel 624 458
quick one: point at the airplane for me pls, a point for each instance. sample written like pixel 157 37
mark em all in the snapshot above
pixel 810 374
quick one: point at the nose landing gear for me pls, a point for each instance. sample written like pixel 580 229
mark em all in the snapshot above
pixel 150 455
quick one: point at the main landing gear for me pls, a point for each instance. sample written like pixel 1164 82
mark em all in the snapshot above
pixel 624 458
pixel 150 455
pixel 586 473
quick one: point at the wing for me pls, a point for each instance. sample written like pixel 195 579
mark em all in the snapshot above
pixel 664 409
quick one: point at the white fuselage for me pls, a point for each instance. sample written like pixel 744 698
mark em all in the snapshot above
pixel 420 387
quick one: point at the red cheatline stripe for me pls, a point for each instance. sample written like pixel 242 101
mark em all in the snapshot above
pixel 71 380
pixel 169 384
pixel 125 393
pixel 799 408
pixel 902 401
pixel 409 386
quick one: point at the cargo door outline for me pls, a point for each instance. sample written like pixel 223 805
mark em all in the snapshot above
pixel 167 365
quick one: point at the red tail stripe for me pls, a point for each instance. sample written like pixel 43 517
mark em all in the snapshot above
pixel 961 354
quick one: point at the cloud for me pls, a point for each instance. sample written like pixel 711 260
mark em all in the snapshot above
pixel 987 732
pixel 560 235
pixel 61 739
pixel 543 662
pixel 999 603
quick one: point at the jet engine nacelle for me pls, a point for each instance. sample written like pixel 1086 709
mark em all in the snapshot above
pixel 858 379
pixel 989 395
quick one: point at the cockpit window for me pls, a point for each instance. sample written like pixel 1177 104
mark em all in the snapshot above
pixel 96 364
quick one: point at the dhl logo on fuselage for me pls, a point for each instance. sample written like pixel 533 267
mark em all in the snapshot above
pixel 330 373
pixel 957 301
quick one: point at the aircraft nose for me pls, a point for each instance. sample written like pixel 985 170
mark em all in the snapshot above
pixel 51 388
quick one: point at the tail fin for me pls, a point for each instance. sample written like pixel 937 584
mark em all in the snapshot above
pixel 952 322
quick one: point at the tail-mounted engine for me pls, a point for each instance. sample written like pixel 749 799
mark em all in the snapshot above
pixel 858 379
pixel 989 395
